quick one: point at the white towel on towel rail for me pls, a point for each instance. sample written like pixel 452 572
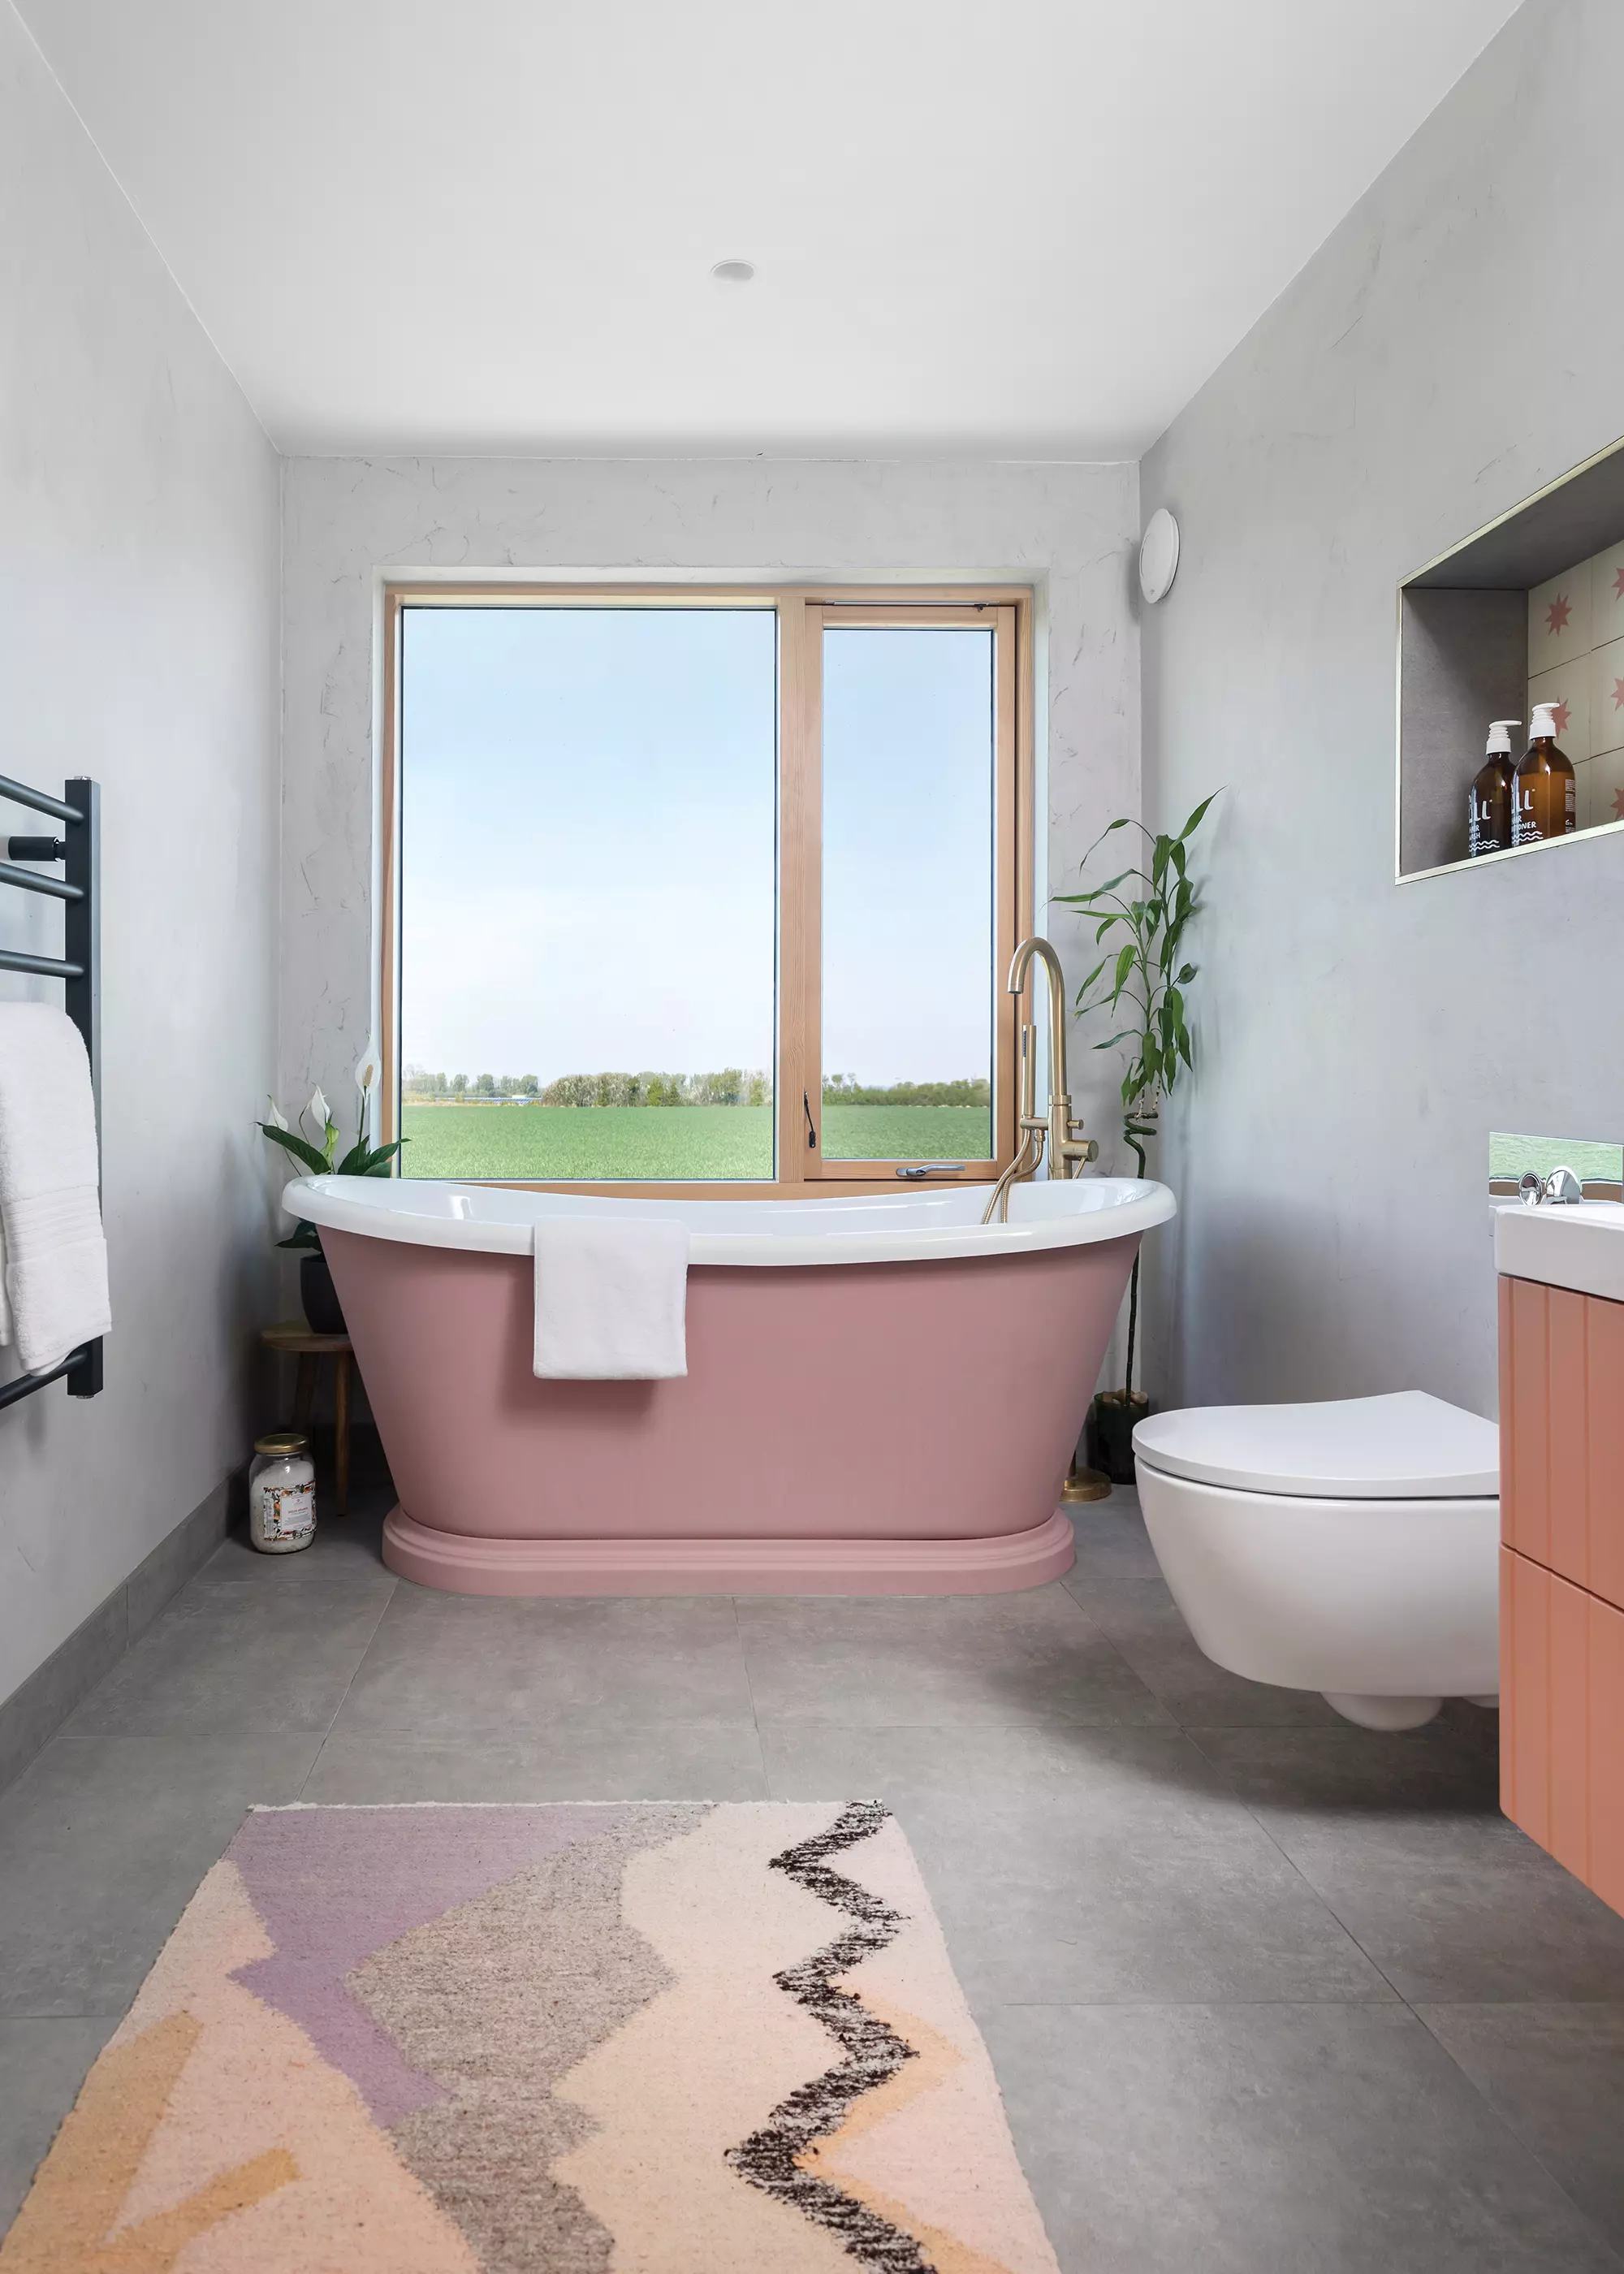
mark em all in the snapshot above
pixel 611 1299
pixel 55 1263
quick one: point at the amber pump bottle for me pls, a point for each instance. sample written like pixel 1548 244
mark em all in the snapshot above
pixel 1490 801
pixel 1547 796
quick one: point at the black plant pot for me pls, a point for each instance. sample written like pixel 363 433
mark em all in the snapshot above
pixel 1111 1419
pixel 320 1295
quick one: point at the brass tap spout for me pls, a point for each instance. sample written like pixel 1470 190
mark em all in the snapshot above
pixel 1067 1152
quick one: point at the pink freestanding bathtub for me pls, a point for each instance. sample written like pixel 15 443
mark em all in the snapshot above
pixel 882 1394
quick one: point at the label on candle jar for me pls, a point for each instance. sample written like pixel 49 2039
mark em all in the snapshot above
pixel 289 1510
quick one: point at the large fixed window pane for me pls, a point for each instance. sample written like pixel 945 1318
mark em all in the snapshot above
pixel 909 783
pixel 588 897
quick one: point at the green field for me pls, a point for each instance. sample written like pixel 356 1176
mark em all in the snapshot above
pixel 660 1142
pixel 1510 1157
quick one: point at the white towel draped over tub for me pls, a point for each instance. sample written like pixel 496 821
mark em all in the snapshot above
pixel 611 1299
pixel 53 1273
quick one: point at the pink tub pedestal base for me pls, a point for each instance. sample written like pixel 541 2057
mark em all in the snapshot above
pixel 464 1565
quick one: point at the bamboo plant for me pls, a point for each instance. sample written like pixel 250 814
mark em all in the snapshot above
pixel 1143 973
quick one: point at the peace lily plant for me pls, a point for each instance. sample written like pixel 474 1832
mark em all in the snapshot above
pixel 1143 976
pixel 320 1157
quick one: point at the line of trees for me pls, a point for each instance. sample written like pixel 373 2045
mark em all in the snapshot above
pixel 485 1089
pixel 845 1089
pixel 729 1086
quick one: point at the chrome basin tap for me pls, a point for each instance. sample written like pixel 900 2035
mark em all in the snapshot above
pixel 1067 1152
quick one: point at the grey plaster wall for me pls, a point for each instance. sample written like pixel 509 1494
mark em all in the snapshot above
pixel 139 624
pixel 1456 343
pixel 1069 530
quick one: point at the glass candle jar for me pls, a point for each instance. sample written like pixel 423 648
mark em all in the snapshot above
pixel 282 1494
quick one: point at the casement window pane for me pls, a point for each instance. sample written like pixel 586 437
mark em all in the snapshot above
pixel 588 896
pixel 907 895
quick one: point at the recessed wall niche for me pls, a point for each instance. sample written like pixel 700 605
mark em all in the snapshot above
pixel 1528 610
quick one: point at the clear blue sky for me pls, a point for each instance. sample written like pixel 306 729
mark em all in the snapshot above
pixel 588 833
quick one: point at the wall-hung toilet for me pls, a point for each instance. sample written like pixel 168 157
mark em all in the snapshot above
pixel 1350 1547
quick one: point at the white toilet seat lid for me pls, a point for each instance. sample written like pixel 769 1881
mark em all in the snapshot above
pixel 1407 1446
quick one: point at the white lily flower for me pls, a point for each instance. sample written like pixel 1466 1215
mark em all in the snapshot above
pixel 321 1112
pixel 278 1119
pixel 367 1071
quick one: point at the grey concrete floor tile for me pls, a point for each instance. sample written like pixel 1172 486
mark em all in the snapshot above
pixel 1270 2139
pixel 225 1657
pixel 680 1761
pixel 1031 1657
pixel 1409 1848
pixel 1140 1617
pixel 1111 1541
pixel 1085 1865
pixel 1360 1775
pixel 1556 2075
pixel 351 1546
pixel 43 2064
pixel 453 1665
pixel 102 1842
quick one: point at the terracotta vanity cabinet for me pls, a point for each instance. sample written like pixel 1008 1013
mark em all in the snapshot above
pixel 1561 1361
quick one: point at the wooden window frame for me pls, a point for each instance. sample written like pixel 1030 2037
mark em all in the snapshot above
pixel 803 612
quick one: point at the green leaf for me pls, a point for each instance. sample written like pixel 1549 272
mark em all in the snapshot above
pixel 1088 983
pixel 1125 964
pixel 1104 926
pixel 315 1162
pixel 1187 975
pixel 1109 830
pixel 1125 1035
pixel 1196 819
pixel 306 1236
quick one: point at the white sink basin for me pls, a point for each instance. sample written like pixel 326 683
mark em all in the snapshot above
pixel 1581 1247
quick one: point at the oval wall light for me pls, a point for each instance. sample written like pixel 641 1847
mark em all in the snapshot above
pixel 733 272
pixel 1158 555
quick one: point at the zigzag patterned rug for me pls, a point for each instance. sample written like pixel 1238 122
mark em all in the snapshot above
pixel 651 2039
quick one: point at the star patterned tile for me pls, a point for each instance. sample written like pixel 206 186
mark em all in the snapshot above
pixel 1558 619
pixel 1607 697
pixel 1568 687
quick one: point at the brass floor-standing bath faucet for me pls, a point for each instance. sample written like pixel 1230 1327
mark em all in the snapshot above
pixel 1067 1152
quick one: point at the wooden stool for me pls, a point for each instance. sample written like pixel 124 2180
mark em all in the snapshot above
pixel 295 1337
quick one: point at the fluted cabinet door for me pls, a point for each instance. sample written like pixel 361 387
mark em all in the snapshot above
pixel 1562 1433
pixel 1562 1721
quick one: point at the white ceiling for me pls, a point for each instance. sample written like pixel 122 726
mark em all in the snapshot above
pixel 1022 230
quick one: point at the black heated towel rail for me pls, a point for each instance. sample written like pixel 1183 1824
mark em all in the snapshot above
pixel 77 853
